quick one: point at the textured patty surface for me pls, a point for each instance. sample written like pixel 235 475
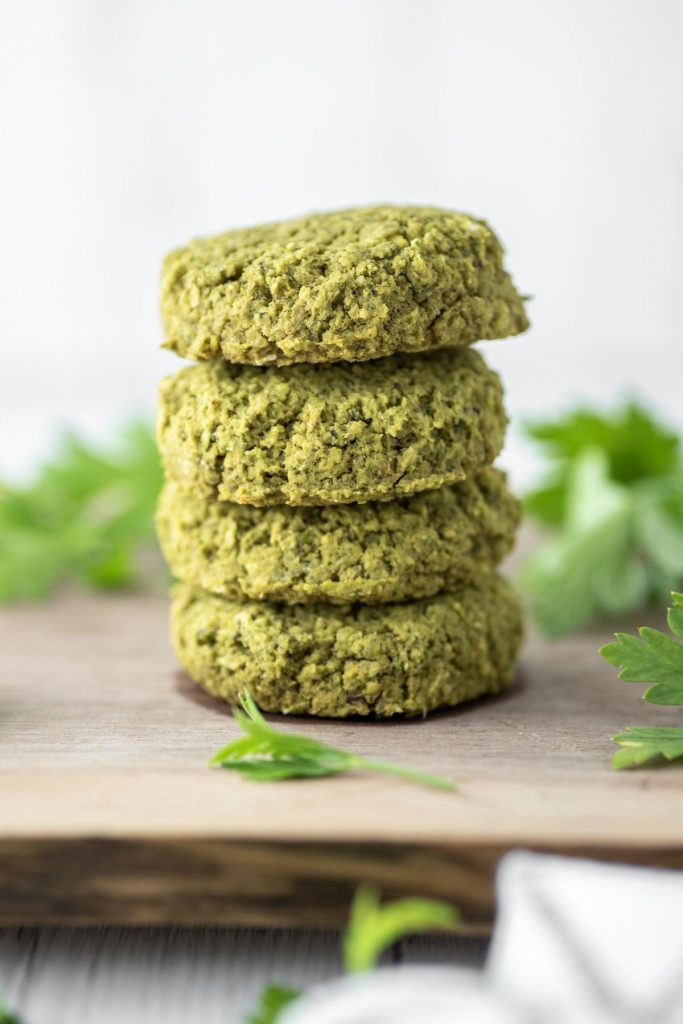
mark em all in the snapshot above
pixel 327 434
pixel 351 660
pixel 373 553
pixel 351 285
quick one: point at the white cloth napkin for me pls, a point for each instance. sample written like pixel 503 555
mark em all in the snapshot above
pixel 402 995
pixel 575 942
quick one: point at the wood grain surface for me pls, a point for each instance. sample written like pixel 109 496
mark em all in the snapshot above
pixel 109 813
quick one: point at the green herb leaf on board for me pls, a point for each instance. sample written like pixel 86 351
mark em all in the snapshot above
pixel 641 744
pixel 264 754
pixel 651 657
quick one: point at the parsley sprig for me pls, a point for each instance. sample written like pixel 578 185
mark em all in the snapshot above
pixel 612 508
pixel 264 754
pixel 651 657
pixel 640 745
pixel 372 929
pixel 82 519
pixel 272 1001
pixel 5 1016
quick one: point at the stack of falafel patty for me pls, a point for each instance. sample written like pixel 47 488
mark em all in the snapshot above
pixel 330 507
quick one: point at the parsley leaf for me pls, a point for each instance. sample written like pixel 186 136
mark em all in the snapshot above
pixel 613 501
pixel 374 927
pixel 654 657
pixel 651 657
pixel 272 1002
pixel 83 518
pixel 640 744
pixel 264 754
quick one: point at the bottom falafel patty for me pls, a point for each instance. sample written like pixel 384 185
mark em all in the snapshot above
pixel 335 661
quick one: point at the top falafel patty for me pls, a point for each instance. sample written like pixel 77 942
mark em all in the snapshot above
pixel 348 286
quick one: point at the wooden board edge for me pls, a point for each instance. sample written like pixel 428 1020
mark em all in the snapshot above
pixel 209 881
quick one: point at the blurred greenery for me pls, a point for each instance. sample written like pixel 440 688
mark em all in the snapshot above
pixel 84 518
pixel 611 504
pixel 5 1016
pixel 372 929
pixel 272 1001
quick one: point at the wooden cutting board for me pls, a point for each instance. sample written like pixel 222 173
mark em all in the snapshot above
pixel 109 813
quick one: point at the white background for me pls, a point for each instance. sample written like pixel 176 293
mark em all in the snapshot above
pixel 129 126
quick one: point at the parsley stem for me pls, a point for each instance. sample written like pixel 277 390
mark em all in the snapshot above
pixel 435 781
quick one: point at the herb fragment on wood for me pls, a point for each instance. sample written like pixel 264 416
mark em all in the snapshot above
pixel 265 754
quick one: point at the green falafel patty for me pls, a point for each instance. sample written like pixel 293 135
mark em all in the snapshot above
pixel 349 285
pixel 336 661
pixel 333 433
pixel 373 553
